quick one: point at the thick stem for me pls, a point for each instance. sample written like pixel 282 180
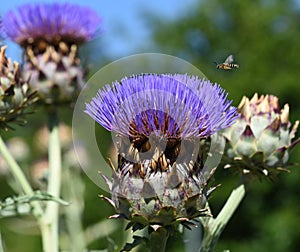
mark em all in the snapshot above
pixel 193 238
pixel 91 233
pixel 74 191
pixel 46 236
pixel 1 245
pixel 214 227
pixel 17 171
pixel 54 179
pixel 158 240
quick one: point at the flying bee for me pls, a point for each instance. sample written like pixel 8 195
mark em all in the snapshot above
pixel 227 65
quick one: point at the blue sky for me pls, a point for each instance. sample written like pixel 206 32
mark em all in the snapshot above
pixel 125 29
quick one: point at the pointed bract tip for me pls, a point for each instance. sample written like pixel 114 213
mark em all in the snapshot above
pixel 242 103
pixel 254 99
pixel 285 112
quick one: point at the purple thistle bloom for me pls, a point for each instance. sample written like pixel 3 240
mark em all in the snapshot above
pixel 163 116
pixel 2 31
pixel 177 106
pixel 1 27
pixel 51 22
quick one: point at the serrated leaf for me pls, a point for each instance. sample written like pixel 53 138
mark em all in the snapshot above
pixel 20 205
pixel 44 196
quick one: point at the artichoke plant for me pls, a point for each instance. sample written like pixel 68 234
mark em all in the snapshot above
pixel 50 35
pixel 159 121
pixel 15 95
pixel 260 141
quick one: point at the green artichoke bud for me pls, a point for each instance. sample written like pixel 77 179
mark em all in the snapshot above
pixel 14 93
pixel 55 72
pixel 259 143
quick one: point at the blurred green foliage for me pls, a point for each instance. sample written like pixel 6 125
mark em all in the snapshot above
pixel 21 233
pixel 264 36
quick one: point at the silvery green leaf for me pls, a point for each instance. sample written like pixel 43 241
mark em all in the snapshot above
pixel 20 205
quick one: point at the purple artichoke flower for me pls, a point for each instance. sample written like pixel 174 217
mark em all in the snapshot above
pixel 158 118
pixel 1 28
pixel 51 22
pixel 180 106
pixel 50 35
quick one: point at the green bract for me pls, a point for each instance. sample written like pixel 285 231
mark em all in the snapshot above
pixel 260 141
pixel 14 92
pixel 157 199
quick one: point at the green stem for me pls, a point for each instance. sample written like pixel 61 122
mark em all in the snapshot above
pixel 27 189
pixel 158 240
pixel 214 227
pixel 1 245
pixel 54 179
pixel 16 171
pixel 91 233
pixel 74 191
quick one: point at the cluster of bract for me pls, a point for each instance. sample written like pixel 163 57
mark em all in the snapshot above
pixel 260 141
pixel 15 95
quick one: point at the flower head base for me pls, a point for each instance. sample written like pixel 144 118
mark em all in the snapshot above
pixel 50 35
pixel 14 93
pixel 159 121
pixel 261 139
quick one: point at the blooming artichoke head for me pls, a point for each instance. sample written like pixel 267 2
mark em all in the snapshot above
pixel 14 93
pixel 159 121
pixel 260 141
pixel 50 35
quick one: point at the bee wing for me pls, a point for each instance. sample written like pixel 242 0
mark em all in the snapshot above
pixel 229 59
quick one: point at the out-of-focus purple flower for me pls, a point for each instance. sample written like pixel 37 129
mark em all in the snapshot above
pixel 1 28
pixel 176 105
pixel 50 34
pixel 51 22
